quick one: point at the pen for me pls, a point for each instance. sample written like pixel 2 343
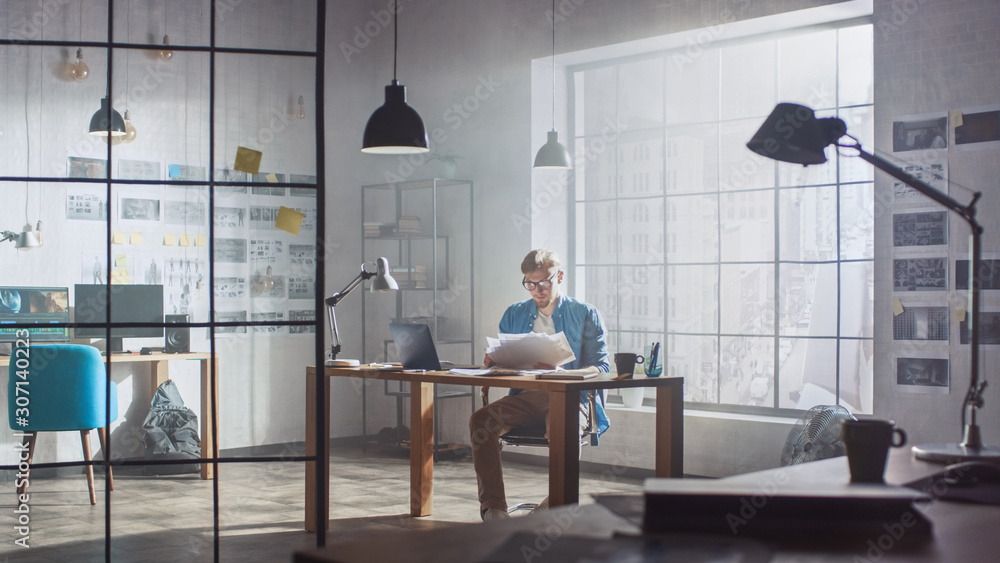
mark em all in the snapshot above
pixel 652 356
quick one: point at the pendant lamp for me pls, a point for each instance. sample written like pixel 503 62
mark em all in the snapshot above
pixel 99 123
pixel 553 154
pixel 395 128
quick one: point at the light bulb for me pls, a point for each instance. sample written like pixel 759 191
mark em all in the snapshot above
pixel 301 111
pixel 130 132
pixel 79 69
pixel 166 54
pixel 38 233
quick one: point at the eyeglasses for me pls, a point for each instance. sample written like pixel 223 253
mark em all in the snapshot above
pixel 543 285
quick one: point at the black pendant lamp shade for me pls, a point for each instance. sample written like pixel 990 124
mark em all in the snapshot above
pixel 99 123
pixel 395 128
pixel 792 133
pixel 553 154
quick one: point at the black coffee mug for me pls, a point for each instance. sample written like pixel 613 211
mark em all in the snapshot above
pixel 625 363
pixel 867 442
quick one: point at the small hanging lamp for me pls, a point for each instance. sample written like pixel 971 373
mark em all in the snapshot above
pixel 99 123
pixel 395 128
pixel 553 155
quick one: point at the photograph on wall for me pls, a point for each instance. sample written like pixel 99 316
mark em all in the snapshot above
pixel 270 317
pixel 147 269
pixel 176 212
pixel 920 274
pixel 924 228
pixel 186 173
pixel 920 133
pixel 977 127
pixel 923 375
pixel 302 179
pixel 267 251
pixel 230 317
pixel 989 328
pixel 229 217
pixel 989 274
pixel 138 170
pixel 921 322
pixel 262 217
pixel 301 287
pixel 932 171
pixel 302 258
pixel 230 175
pixel 93 268
pixel 138 209
pixel 267 286
pixel 77 167
pixel 268 178
pixel 83 206
pixel 302 315
pixel 230 287
pixel 230 250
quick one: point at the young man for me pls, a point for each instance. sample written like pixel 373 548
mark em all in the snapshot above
pixel 550 312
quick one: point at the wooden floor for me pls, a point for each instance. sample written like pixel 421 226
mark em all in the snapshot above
pixel 260 511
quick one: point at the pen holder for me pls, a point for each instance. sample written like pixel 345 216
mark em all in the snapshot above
pixel 653 364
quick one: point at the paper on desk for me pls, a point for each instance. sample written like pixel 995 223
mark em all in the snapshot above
pixel 486 372
pixel 525 351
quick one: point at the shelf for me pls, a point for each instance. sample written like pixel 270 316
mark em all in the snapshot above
pixel 418 184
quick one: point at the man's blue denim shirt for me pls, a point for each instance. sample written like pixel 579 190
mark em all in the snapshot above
pixel 584 329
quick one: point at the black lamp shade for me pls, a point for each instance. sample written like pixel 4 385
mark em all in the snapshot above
pixel 395 128
pixel 553 154
pixel 99 123
pixel 792 133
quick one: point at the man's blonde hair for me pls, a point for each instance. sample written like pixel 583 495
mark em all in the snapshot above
pixel 540 259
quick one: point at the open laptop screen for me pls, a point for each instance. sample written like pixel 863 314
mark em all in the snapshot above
pixel 415 346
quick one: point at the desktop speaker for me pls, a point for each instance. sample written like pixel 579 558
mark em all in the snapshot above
pixel 177 338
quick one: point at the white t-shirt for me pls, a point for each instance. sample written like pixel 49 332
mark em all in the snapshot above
pixel 544 324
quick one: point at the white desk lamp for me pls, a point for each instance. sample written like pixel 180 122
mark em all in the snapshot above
pixel 383 282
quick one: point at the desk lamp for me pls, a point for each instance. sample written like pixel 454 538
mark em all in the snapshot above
pixel 383 282
pixel 792 133
pixel 25 240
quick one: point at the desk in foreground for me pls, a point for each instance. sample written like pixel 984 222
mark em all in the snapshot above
pixel 564 461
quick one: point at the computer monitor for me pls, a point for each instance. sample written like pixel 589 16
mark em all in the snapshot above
pixel 36 306
pixel 129 304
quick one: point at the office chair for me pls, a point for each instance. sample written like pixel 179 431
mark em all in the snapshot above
pixel 56 388
pixel 534 435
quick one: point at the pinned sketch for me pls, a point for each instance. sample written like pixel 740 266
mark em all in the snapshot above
pixel 989 328
pixel 927 228
pixel 148 269
pixel 308 218
pixel 920 132
pixel 77 167
pixel 230 317
pixel 139 209
pixel 272 316
pixel 229 217
pixel 267 251
pixel 233 287
pixel 268 178
pixel 186 173
pixel 302 316
pixel 304 191
pixel 978 126
pixel 230 250
pixel 920 274
pixel 921 323
pixel 933 172
pixel 228 175
pixel 267 286
pixel 86 206
pixel 301 287
pixel 923 375
pixel 138 170
pixel 178 212
pixel 989 274
pixel 262 218
pixel 302 259
pixel 93 268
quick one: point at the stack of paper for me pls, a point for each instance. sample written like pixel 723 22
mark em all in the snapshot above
pixel 530 350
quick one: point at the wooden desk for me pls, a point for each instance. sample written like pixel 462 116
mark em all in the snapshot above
pixel 564 461
pixel 962 532
pixel 159 372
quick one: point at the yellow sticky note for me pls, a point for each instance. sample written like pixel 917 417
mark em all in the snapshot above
pixel 185 240
pixel 897 307
pixel 135 238
pixel 272 178
pixel 247 160
pixel 118 238
pixel 289 220
pixel 200 240
pixel 121 275
pixel 959 314
pixel 169 240
pixel 121 261
pixel 956 118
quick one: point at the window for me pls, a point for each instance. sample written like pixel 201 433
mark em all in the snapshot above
pixel 769 266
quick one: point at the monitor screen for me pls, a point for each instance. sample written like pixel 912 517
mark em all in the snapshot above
pixel 37 306
pixel 129 304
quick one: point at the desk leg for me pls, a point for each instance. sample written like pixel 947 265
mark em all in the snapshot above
pixel 207 419
pixel 324 504
pixel 670 431
pixel 421 448
pixel 564 448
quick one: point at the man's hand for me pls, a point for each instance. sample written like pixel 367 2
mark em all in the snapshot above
pixel 488 361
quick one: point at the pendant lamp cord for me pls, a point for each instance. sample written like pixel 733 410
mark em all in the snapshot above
pixel 395 41
pixel 553 65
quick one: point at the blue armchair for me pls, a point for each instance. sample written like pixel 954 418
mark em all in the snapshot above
pixel 62 387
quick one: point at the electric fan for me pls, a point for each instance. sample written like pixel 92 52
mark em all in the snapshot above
pixel 816 435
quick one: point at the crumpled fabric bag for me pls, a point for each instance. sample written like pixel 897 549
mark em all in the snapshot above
pixel 171 432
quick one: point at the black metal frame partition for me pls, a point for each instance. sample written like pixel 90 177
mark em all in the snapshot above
pixel 110 46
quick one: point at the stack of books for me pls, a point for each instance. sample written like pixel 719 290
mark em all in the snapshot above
pixel 409 225
pixel 411 277
pixel 378 229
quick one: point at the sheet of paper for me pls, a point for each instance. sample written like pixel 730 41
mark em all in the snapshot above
pixel 169 240
pixel 118 238
pixel 185 240
pixel 289 220
pixel 135 238
pixel 247 160
pixel 526 351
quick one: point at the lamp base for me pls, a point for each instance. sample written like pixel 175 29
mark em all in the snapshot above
pixel 342 363
pixel 955 453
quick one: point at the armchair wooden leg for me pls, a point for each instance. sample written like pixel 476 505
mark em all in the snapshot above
pixel 85 438
pixel 30 440
pixel 102 435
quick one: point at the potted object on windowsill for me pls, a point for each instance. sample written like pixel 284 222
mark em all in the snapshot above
pixel 446 164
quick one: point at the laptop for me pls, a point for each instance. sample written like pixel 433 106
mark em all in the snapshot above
pixel 415 346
